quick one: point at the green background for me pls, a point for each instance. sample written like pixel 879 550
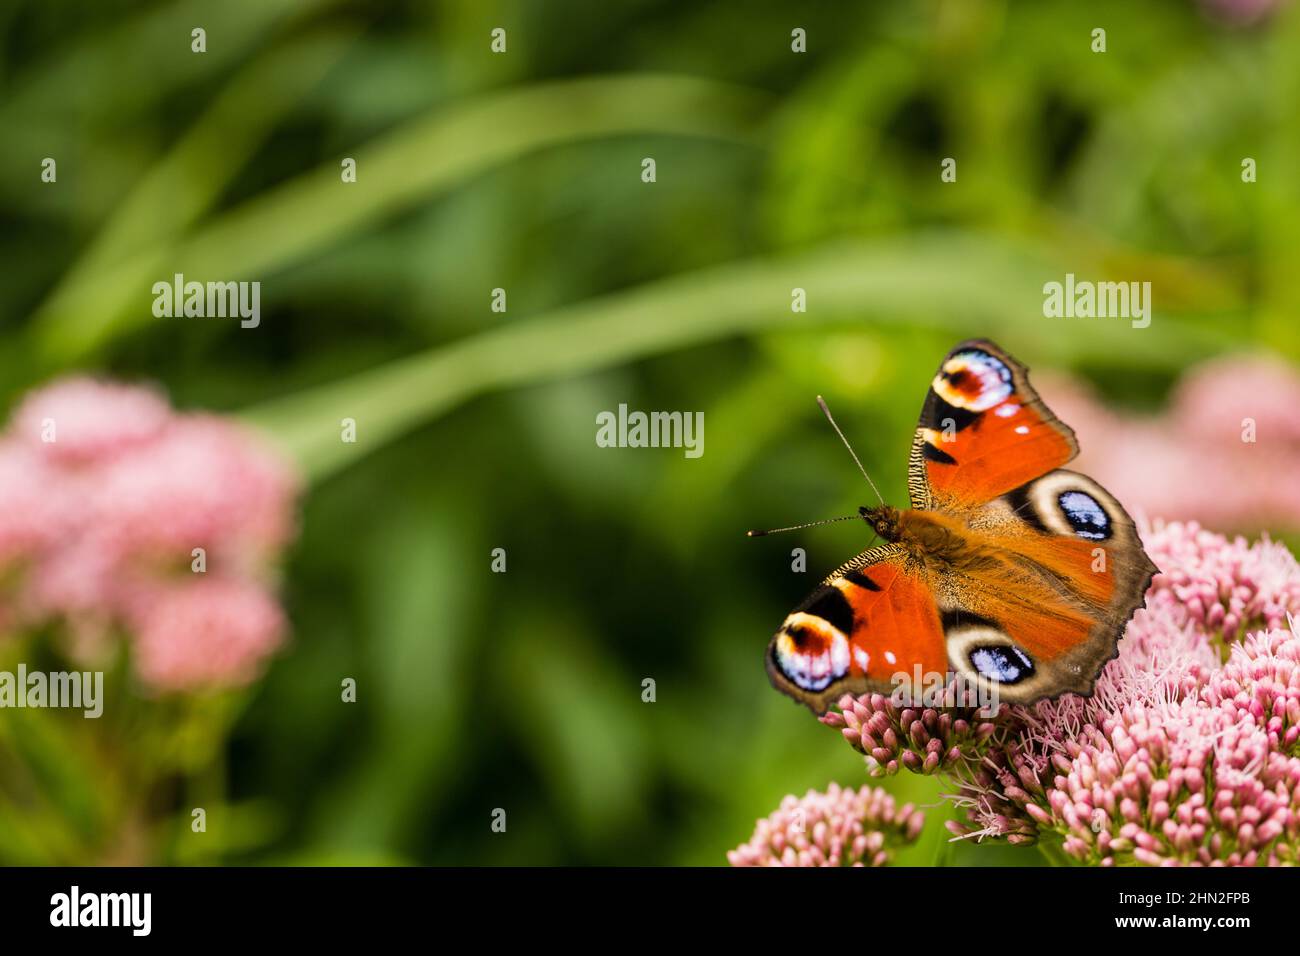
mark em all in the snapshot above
pixel 476 430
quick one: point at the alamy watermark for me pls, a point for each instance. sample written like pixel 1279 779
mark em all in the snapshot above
pixel 635 429
pixel 936 689
pixel 133 911
pixel 214 300
pixel 83 690
pixel 1098 300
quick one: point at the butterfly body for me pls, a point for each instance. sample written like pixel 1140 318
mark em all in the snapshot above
pixel 927 536
pixel 1008 569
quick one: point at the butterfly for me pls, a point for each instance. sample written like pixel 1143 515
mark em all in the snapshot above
pixel 1008 570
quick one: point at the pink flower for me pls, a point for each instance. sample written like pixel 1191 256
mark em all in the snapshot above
pixel 1186 752
pixel 1209 778
pixel 31 514
pixel 1215 397
pixel 208 632
pixel 1261 683
pixel 860 827
pixel 921 739
pixel 202 482
pixel 81 420
pixel 119 509
pixel 1230 424
pixel 1222 587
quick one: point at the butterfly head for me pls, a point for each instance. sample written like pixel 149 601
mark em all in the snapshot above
pixel 883 520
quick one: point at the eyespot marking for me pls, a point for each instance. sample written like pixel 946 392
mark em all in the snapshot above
pixel 979 646
pixel 810 652
pixel 1066 503
pixel 1004 663
pixel 1087 518
pixel 973 380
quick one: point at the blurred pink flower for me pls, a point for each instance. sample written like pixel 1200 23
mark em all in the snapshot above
pixel 205 632
pixel 861 827
pixel 1218 455
pixel 1240 12
pixel 1186 753
pixel 1215 397
pixel 108 494
pixel 31 516
pixel 88 419
pixel 201 482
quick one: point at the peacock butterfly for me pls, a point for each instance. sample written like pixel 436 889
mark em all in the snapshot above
pixel 1007 570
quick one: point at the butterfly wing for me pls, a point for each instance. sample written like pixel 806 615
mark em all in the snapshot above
pixel 870 619
pixel 1052 573
pixel 983 431
pixel 1053 567
pixel 1042 568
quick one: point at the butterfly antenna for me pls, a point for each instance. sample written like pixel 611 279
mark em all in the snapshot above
pixel 799 527
pixel 829 418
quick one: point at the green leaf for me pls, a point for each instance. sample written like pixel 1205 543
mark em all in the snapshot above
pixel 970 284
pixel 406 166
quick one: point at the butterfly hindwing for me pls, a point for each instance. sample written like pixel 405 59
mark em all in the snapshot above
pixel 870 619
pixel 1057 570
pixel 983 431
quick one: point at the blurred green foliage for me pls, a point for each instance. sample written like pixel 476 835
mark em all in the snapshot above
pixel 775 170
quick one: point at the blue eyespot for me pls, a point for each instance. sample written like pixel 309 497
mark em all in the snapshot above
pixel 1086 517
pixel 1002 663
pixel 974 381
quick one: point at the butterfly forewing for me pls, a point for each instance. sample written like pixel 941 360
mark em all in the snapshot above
pixel 867 619
pixel 983 431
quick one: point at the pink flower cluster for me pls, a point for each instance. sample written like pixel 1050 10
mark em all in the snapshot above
pixel 108 496
pixel 1188 751
pixel 924 740
pixel 861 827
pixel 1231 422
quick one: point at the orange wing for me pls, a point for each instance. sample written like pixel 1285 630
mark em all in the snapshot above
pixel 983 431
pixel 872 618
pixel 1021 575
pixel 1051 575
